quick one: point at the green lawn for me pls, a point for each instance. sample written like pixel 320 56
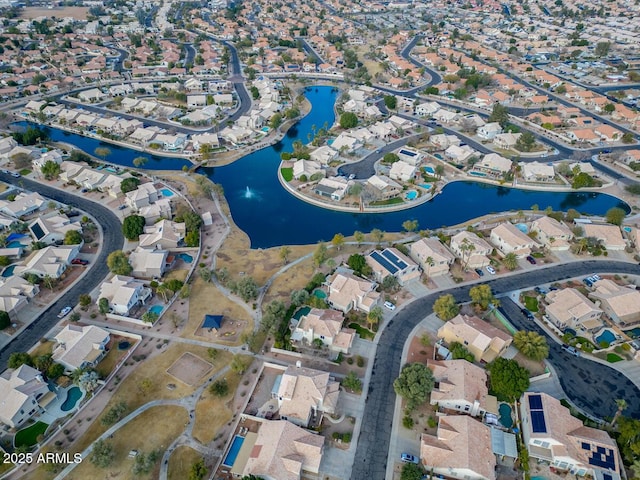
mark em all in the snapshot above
pixel 287 173
pixel 29 436
pixel 25 171
pixel 613 358
pixel 531 303
pixel 537 255
pixel 390 201
pixel 364 333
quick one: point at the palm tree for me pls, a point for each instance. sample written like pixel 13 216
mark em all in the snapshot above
pixel 510 261
pixel 375 315
pixel 429 262
pixel 531 344
pixel 163 291
pixel 622 405
pixel 467 248
pixel 582 244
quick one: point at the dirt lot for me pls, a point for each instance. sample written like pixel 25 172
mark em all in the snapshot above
pixel 189 369
pixel 77 13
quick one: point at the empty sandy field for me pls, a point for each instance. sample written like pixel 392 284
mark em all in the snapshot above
pixel 77 13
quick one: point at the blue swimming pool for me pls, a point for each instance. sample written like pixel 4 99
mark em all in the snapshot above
pixel 166 192
pixel 321 294
pixel 301 313
pixel 429 170
pixel 505 415
pixel 627 229
pixel 73 395
pixel 426 186
pixel 185 257
pixel 411 195
pixel 157 309
pixel 522 227
pixel 8 272
pixel 230 459
pixel 633 333
pixel 473 173
pixel 606 337
pixel 15 244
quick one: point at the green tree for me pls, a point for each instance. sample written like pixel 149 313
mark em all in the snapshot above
pixel 358 264
pixel 628 137
pixel 377 235
pixel 118 263
pixel 531 344
pixel 602 49
pixel 18 359
pixel 482 296
pixel 510 261
pixel 609 108
pixel 239 364
pixel 348 120
pixel 508 379
pixel 499 114
pixel 615 216
pixel 338 241
pixel 103 306
pixel 284 254
pixel 129 184
pixel 390 158
pixel 358 237
pixel 50 170
pixel 43 362
pixel 102 152
pixel 526 142
pixel 582 180
pixel 320 254
pixel 414 384
pixel 390 284
pixel 411 471
pixel 273 315
pixel 114 414
pixel 390 101
pixel 84 300
pixel 375 315
pixel 198 470
pixel 247 289
pixel 5 321
pixel 139 162
pixel 102 453
pixel 352 382
pixel 299 297
pixel 72 237
pixel 149 317
pixel 410 225
pixel 219 388
pixel 55 371
pixel 446 307
pixel 276 121
pixel 133 226
pixel 459 351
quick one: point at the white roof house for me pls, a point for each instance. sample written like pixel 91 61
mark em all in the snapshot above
pixel 148 263
pixel 537 172
pixel 152 213
pixel 333 187
pixel 432 256
pixel 346 292
pixel 506 140
pixel 15 293
pixel 324 154
pixel 426 109
pixel 609 235
pixel 80 347
pixel 307 168
pixel 52 228
pixel 489 130
pixel 509 239
pixel 123 293
pixel 493 164
pixel 326 326
pixel 345 142
pixel 23 204
pixel 49 261
pixel 145 194
pixel 21 389
pixel 384 186
pixel 551 233
pixel 165 235
pixel 472 250
pixel 392 262
pixel 402 171
pixel 459 154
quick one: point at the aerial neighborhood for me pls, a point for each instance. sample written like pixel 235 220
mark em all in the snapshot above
pixel 322 240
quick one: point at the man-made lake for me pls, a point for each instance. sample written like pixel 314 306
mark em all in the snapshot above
pixel 271 216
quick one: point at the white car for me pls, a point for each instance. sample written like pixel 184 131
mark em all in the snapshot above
pixel 64 312
pixel 390 306
pixel 491 270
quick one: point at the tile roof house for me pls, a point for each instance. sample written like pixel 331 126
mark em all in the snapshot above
pixel 461 386
pixel 123 293
pixel 553 435
pixel 280 450
pixel 305 394
pixel 621 303
pixel 568 308
pixel 609 235
pixel 509 239
pixel 551 233
pixel 537 172
pixel 489 130
pixel 460 449
pixel 324 325
pixel 346 292
pixel 23 204
pixel 15 293
pixel 392 262
pixel 432 256
pixel 484 341
pixel 49 261
pixel 21 389
pixel 144 195
pixel 80 347
pixel 472 250
pixel 493 164
pixel 52 228
pixel 148 263
pixel 164 235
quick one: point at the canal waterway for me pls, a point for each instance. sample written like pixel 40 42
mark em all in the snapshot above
pixel 271 216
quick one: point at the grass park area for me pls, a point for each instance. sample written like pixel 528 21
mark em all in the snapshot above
pixel 531 303
pixel 181 461
pixel 29 436
pixel 389 201
pixel 287 173
pixel 364 333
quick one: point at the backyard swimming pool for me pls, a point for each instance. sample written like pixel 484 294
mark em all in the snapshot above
pixel 606 336
pixel 321 294
pixel 633 333
pixel 8 272
pixel 230 459
pixel 429 169
pixel 166 192
pixel 627 229
pixel 185 257
pixel 411 195
pixel 522 227
pixel 73 395
pixel 15 244
pixel 157 309
pixel 505 415
pixel 473 173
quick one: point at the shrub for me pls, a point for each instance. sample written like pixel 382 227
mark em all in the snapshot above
pixel 407 422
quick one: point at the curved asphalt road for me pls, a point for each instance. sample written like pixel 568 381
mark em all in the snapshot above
pixel 373 444
pixel 112 240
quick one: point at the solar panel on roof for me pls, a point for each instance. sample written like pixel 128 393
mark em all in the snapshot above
pixel 535 402
pixel 586 446
pixel 603 460
pixel 391 268
pixel 538 425
pixel 389 255
pixel 606 476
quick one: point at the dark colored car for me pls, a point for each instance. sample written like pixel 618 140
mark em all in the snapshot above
pixel 79 261
pixel 531 260
pixel 527 313
pixel 479 272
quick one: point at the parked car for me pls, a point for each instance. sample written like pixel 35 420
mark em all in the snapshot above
pixel 571 350
pixel 122 207
pixel 408 458
pixel 595 278
pixel 491 270
pixel 587 282
pixel 79 261
pixel 527 313
pixel 15 175
pixel 390 306
pixel 64 312
pixel 531 260
pixel 479 272
pixel 541 291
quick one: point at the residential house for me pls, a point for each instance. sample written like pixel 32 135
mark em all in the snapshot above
pixel 461 448
pixel 384 187
pixel 552 434
pixel 334 188
pixel 620 303
pixel 22 390
pixel 347 292
pixel 70 170
pixel 459 154
pixel 49 261
pixel 461 386
pixel 608 133
pixel 325 326
pixel 537 172
pixel 444 141
pixel 279 450
pixel 165 235
pixel 609 235
pixel 506 141
pixel 445 116
pixel 7 144
pixel 493 164
pixel 53 228
pixel 484 342
pixel 568 308
pixel 324 155
pixel 392 262
pixel 584 167
pixel 345 143
pixel 402 171
pixel 123 293
pixel 208 138
pixel 410 156
pixel 583 135
pixel 551 233
pixel 80 347
pixel 432 256
pixel 50 156
pixel 23 204
pixel 156 211
pixel 304 395
pixel 148 263
pixel 426 109
pixel 472 250
pixel 509 239
pixel 15 293
pixel 144 195
pixel 489 130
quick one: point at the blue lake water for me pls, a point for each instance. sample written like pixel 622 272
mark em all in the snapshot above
pixel 271 216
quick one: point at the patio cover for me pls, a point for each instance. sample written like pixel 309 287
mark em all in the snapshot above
pixel 212 321
pixel 503 443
